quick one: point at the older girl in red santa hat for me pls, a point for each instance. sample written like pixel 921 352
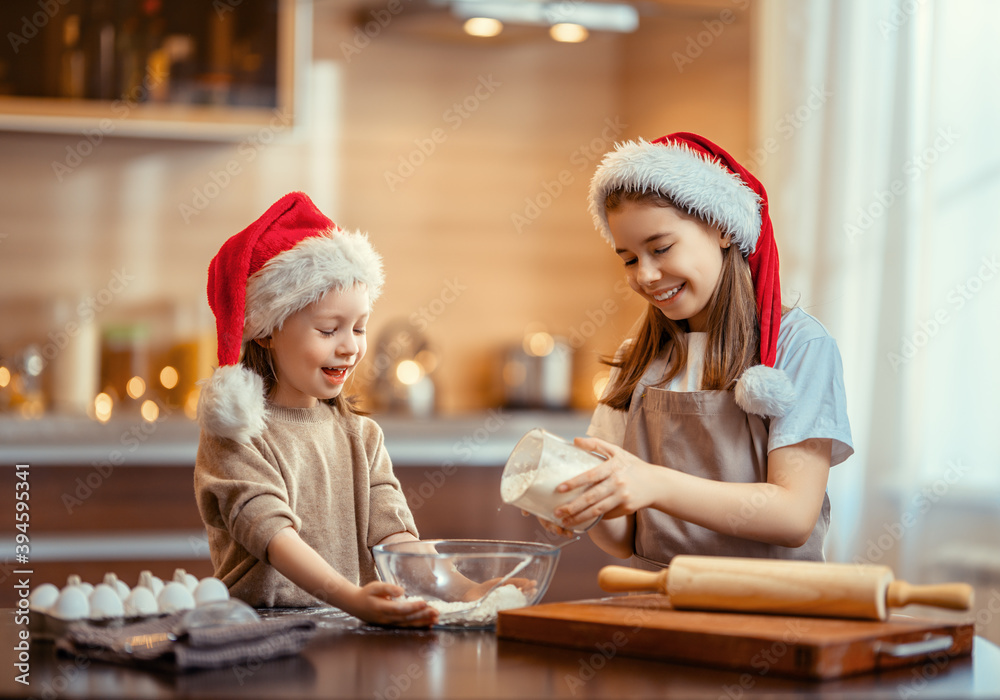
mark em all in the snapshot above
pixel 295 488
pixel 725 410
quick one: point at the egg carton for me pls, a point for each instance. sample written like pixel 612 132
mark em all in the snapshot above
pixel 112 603
pixel 46 628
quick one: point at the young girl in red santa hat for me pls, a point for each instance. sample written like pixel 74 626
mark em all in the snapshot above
pixel 294 487
pixel 725 411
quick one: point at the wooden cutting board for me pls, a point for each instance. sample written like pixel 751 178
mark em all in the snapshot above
pixel 802 647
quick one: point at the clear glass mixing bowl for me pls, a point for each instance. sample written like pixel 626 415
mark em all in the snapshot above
pixel 455 575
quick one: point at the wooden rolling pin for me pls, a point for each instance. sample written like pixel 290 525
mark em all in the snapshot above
pixel 785 587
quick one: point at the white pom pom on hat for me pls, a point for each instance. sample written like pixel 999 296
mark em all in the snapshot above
pixel 285 260
pixel 230 404
pixel 764 391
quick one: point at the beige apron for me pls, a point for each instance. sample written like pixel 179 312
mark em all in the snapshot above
pixel 706 434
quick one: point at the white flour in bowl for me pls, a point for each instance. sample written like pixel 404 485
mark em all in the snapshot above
pixel 503 598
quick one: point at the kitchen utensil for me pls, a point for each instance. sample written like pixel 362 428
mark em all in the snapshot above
pixel 788 587
pixel 758 645
pixel 539 462
pixel 428 569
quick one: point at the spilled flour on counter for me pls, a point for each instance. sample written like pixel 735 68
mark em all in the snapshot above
pixel 503 598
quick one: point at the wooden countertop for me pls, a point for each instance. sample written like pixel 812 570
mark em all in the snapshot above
pixel 350 660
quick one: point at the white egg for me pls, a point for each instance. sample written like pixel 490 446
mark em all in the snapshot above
pixel 140 603
pixel 72 604
pixel 182 576
pixel 74 580
pixel 174 597
pixel 43 597
pixel 153 583
pixel 121 588
pixel 105 603
pixel 210 590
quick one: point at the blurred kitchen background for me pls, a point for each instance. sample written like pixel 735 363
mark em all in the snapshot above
pixel 137 135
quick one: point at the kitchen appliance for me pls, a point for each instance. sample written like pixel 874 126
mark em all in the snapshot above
pixel 538 373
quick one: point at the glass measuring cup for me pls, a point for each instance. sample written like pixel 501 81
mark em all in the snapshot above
pixel 538 464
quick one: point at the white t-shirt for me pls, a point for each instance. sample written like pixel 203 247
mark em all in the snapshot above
pixel 807 353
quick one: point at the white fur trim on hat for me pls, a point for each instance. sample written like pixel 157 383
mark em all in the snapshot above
pixel 702 186
pixel 232 405
pixel 764 391
pixel 292 280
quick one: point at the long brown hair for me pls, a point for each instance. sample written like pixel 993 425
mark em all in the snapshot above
pixel 733 327
pixel 257 358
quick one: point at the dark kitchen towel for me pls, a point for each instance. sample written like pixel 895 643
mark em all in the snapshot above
pixel 165 643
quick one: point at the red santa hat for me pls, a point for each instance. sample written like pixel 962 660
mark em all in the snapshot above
pixel 285 260
pixel 705 180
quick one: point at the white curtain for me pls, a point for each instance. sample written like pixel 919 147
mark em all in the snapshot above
pixel 878 138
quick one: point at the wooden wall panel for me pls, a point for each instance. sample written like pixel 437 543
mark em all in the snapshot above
pixel 122 208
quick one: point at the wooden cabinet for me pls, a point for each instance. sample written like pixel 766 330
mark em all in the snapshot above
pixel 190 69
pixel 92 520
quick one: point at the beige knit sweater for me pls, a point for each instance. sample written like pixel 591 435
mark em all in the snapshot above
pixel 324 473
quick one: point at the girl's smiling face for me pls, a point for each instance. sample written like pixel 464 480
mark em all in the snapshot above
pixel 318 347
pixel 672 260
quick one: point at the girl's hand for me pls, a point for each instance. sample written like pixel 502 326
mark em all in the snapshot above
pixel 374 603
pixel 527 586
pixel 552 527
pixel 620 486
pixel 460 587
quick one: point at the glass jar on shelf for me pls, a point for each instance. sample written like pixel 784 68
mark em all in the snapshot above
pixel 21 391
pixel 124 376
